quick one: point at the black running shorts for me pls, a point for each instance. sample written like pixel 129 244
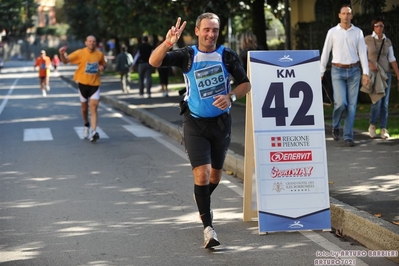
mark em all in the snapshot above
pixel 207 139
pixel 86 90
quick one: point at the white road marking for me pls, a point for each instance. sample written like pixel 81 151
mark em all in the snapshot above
pixel 142 131
pixel 79 132
pixel 4 102
pixel 37 134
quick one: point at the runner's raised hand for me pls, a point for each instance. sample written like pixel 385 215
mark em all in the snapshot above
pixel 175 32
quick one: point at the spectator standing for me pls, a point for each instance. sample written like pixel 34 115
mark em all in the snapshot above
pixel 380 53
pixel 346 42
pixel 90 62
pixel 141 58
pixel 248 42
pixel 124 63
pixel 44 64
pixel 207 122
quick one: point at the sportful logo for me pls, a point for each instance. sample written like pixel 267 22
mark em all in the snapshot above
pixel 293 172
pixel 291 156
pixel 286 58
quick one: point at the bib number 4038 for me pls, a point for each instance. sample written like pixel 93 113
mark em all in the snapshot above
pixel 280 111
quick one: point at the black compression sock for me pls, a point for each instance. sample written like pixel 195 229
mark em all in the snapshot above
pixel 212 187
pixel 203 199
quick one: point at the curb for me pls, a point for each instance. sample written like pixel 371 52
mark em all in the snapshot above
pixel 371 232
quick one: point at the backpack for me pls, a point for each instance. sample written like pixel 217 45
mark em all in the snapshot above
pixel 124 62
pixel 129 59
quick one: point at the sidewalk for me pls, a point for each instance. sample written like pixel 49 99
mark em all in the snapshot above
pixel 364 180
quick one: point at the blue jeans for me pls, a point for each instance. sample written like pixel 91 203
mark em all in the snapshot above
pixel 380 108
pixel 345 82
pixel 145 71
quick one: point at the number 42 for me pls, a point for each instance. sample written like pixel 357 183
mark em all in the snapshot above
pixel 280 112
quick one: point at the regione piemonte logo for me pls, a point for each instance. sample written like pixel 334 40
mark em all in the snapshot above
pixel 290 141
pixel 276 141
pixel 291 156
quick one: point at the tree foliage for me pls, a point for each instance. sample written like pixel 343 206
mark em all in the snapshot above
pixel 16 16
pixel 124 19
pixel 83 18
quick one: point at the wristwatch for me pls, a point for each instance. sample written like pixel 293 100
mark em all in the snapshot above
pixel 233 97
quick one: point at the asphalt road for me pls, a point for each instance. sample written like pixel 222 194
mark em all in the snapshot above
pixel 125 200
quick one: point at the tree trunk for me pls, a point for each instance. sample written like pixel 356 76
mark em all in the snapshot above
pixel 259 23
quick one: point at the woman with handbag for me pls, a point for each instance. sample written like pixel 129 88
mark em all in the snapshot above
pixel 380 53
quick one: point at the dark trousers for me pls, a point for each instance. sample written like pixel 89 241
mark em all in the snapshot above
pixel 145 71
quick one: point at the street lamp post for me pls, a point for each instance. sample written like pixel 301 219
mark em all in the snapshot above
pixel 287 20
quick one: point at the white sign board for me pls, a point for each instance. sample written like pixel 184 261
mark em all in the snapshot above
pixel 289 139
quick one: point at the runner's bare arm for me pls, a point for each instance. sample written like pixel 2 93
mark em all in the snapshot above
pixel 63 55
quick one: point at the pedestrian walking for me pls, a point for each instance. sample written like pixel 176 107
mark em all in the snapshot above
pixel 206 67
pixel 141 57
pixel 248 42
pixel 346 42
pixel 380 54
pixel 124 63
pixel 90 62
pixel 163 73
pixel 44 64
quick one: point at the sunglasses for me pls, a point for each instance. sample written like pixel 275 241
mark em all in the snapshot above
pixel 379 25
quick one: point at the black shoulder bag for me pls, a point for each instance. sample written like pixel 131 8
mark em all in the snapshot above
pixel 382 45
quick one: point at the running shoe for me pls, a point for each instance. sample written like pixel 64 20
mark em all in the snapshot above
pixel 86 130
pixel 94 136
pixel 210 238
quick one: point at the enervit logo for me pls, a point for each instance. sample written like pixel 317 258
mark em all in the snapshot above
pixel 291 156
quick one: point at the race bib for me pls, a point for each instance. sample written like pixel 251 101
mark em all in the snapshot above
pixel 210 81
pixel 91 68
pixel 43 65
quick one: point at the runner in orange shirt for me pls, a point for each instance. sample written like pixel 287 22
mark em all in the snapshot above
pixel 90 62
pixel 44 63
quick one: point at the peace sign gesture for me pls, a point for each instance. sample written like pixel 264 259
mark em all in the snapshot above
pixel 175 32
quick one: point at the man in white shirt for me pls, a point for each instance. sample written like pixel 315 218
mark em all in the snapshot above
pixel 348 47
